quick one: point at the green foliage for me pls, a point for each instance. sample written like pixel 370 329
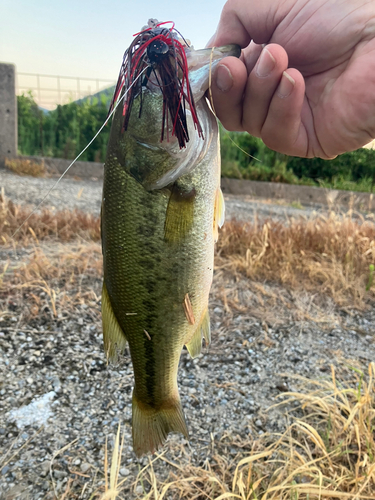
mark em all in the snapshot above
pixel 354 171
pixel 247 157
pixel 30 123
pixel 65 131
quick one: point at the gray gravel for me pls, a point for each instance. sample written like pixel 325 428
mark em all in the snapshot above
pixel 256 349
pixel 86 195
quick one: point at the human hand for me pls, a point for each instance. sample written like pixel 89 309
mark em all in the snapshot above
pixel 311 92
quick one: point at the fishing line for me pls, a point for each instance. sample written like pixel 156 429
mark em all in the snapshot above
pixel 214 111
pixel 75 159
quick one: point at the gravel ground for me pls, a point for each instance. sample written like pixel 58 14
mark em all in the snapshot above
pixel 86 195
pixel 258 345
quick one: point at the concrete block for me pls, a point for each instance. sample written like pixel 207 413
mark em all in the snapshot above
pixel 8 111
pixel 307 195
pixel 82 169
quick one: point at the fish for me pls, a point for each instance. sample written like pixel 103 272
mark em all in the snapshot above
pixel 161 210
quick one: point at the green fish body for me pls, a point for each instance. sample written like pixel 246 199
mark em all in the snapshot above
pixel 160 212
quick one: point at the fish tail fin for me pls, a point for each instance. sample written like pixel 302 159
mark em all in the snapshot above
pixel 151 426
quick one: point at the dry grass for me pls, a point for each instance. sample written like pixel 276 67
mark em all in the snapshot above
pixel 333 256
pixel 52 282
pixel 330 255
pixel 64 225
pixel 327 454
pixel 23 166
pixel 51 278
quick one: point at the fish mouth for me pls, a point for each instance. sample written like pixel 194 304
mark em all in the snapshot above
pixel 203 62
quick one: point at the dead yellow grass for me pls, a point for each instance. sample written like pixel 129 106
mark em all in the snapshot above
pixel 52 281
pixel 24 166
pixel 331 255
pixel 327 454
pixel 64 225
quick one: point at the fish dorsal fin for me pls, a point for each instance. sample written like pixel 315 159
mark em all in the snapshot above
pixel 194 346
pixel 113 335
pixel 180 214
pixel 219 213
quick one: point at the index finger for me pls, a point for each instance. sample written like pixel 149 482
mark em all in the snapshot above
pixel 244 20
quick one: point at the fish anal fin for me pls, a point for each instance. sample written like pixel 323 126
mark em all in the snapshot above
pixel 151 426
pixel 219 213
pixel 113 335
pixel 180 214
pixel 206 328
pixel 194 346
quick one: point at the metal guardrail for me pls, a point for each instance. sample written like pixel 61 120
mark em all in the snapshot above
pixel 50 90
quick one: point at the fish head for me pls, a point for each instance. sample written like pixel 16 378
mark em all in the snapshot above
pixel 152 148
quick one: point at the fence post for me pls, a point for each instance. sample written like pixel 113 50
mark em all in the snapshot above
pixel 8 112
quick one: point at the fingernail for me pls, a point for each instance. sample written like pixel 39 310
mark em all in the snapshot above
pixel 286 85
pixel 224 79
pixel 265 64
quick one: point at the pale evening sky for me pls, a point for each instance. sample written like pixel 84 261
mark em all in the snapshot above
pixel 85 38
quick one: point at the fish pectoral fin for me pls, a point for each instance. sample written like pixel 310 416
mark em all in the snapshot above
pixel 180 214
pixel 219 213
pixel 194 346
pixel 113 335
pixel 151 426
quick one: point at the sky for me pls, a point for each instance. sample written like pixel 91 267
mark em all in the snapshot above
pixel 84 38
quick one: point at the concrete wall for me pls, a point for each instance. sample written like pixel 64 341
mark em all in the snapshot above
pixel 306 195
pixel 57 166
pixel 8 111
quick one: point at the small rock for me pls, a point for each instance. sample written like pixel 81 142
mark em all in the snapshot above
pixel 4 470
pixel 45 485
pixel 85 467
pixel 45 468
pixel 124 471
pixel 59 474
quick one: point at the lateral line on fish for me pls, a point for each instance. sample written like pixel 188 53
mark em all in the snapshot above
pixel 214 111
pixel 75 159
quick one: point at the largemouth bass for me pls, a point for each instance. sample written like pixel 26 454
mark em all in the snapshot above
pixel 161 209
